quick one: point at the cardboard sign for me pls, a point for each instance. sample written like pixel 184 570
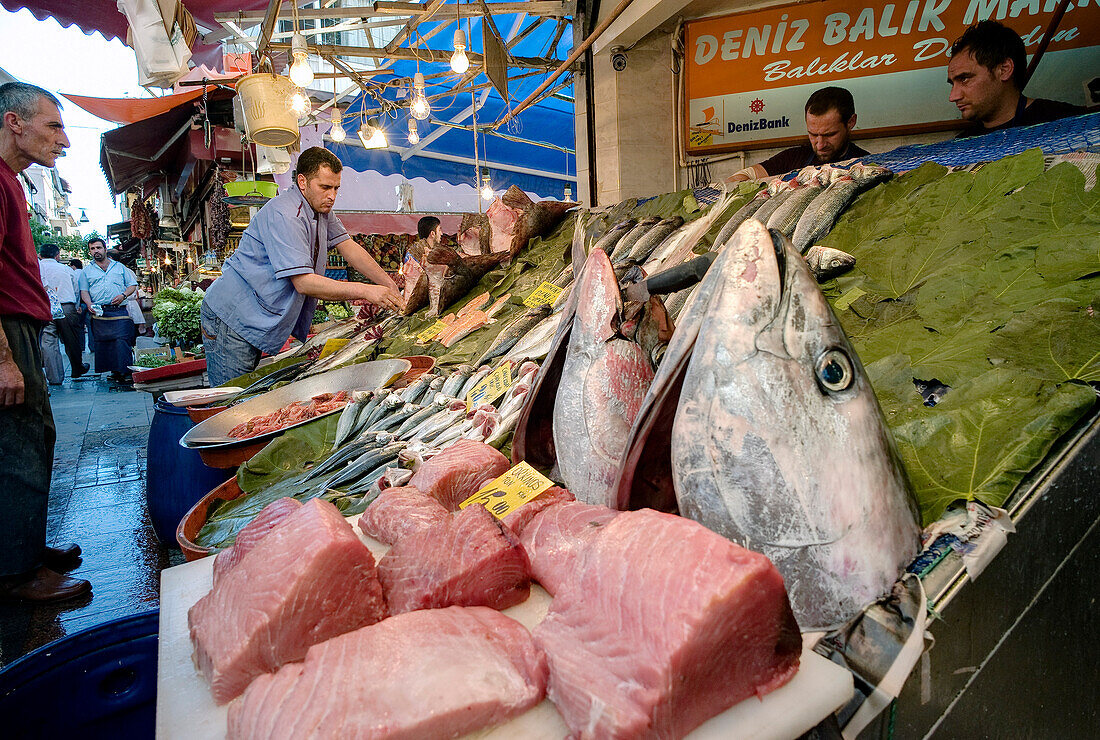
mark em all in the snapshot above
pixel 510 491
pixel 491 387
pixel 431 332
pixel 544 295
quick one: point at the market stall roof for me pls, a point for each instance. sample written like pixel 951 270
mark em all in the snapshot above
pixel 132 110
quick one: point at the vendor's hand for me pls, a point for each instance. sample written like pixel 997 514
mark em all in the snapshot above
pixel 118 299
pixel 11 384
pixel 384 297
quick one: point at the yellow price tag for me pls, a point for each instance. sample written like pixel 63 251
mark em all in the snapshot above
pixel 544 295
pixel 431 332
pixel 849 298
pixel 491 387
pixel 510 491
pixel 331 346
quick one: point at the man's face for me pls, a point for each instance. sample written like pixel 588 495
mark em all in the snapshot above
pixel 98 251
pixel 828 134
pixel 436 237
pixel 41 138
pixel 320 190
pixel 979 92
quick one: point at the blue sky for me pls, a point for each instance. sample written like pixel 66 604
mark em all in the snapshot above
pixel 68 60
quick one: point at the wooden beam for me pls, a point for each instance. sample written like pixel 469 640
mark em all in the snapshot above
pixel 268 27
pixel 562 24
pixel 430 8
pixel 526 32
pixel 547 8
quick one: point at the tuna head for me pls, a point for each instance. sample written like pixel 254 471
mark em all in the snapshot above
pixel 779 443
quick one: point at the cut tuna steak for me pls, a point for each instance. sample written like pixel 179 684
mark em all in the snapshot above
pixel 399 512
pixel 470 559
pixel 518 520
pixel 270 517
pixel 661 624
pixel 459 471
pixel 554 537
pixel 308 580
pixel 439 673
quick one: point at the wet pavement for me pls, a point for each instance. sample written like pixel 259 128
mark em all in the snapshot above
pixel 97 499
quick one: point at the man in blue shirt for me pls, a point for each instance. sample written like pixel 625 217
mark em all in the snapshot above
pixel 269 286
pixel 105 285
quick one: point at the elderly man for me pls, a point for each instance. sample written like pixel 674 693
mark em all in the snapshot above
pixel 830 118
pixel 105 285
pixel 269 287
pixel 31 132
pixel 986 73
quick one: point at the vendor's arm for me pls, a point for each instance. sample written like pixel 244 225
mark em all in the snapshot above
pixel 86 297
pixel 11 378
pixel 327 289
pixel 359 259
pixel 752 172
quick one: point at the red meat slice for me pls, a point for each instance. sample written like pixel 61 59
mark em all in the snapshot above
pixel 439 673
pixel 399 512
pixel 459 471
pixel 310 578
pixel 554 537
pixel 518 520
pixel 271 516
pixel 661 624
pixel 470 559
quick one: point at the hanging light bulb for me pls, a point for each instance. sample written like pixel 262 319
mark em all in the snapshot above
pixel 419 105
pixel 300 72
pixel 336 132
pixel 299 103
pixel 167 260
pixel 486 189
pixel 568 193
pixel 414 137
pixel 459 62
pixel 189 260
pixel 372 135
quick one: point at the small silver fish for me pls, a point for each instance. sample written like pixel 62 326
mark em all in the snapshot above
pixel 827 263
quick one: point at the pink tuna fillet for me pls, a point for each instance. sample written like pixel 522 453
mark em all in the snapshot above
pixel 399 512
pixel 661 624
pixel 518 520
pixel 555 537
pixel 272 514
pixel 308 580
pixel 471 559
pixel 439 673
pixel 459 471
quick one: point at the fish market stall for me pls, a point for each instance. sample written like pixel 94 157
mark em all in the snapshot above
pixel 870 373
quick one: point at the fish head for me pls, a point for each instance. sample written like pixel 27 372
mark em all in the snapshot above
pixel 598 291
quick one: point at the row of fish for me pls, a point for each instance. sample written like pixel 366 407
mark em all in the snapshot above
pixel 758 422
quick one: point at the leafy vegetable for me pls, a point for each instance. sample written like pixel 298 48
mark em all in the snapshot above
pixel 177 315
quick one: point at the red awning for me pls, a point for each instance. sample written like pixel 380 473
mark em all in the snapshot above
pixel 103 15
pixel 367 222
pixel 132 110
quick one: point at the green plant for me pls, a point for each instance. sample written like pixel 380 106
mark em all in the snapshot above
pixel 177 315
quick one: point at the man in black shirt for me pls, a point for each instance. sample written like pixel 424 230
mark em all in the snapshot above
pixel 986 74
pixel 830 118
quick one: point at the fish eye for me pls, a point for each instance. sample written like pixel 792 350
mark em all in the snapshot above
pixel 834 371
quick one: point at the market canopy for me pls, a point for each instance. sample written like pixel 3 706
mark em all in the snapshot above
pixel 132 110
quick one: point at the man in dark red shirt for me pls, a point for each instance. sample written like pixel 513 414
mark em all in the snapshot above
pixel 31 132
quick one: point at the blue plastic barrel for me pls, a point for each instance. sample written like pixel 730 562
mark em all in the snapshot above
pixel 176 477
pixel 97 683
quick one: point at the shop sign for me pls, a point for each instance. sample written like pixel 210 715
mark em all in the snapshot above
pixel 748 75
pixel 510 491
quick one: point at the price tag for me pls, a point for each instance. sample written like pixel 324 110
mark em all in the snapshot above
pixel 333 345
pixel 431 332
pixel 849 298
pixel 544 295
pixel 491 387
pixel 510 491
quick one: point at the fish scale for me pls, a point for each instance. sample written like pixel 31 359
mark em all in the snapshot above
pixel 785 218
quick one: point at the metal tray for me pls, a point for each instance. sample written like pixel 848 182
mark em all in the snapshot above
pixel 364 376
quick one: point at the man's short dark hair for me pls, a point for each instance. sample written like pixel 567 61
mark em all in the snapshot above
pixel 425 226
pixel 312 159
pixel 49 251
pixel 990 43
pixel 94 240
pixel 76 264
pixel 22 99
pixel 832 98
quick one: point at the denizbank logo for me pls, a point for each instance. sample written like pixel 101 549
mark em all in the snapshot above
pixel 759 124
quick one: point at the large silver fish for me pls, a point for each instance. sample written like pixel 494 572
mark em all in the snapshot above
pixel 818 218
pixel 603 380
pixel 779 443
pixel 810 182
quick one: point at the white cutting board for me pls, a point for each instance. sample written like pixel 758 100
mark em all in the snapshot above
pixel 185 708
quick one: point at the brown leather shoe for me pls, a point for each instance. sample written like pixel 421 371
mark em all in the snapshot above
pixel 44 585
pixel 62 558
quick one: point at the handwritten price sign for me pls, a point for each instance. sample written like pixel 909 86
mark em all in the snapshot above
pixel 510 491
pixel 431 332
pixel 544 295
pixel 491 388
